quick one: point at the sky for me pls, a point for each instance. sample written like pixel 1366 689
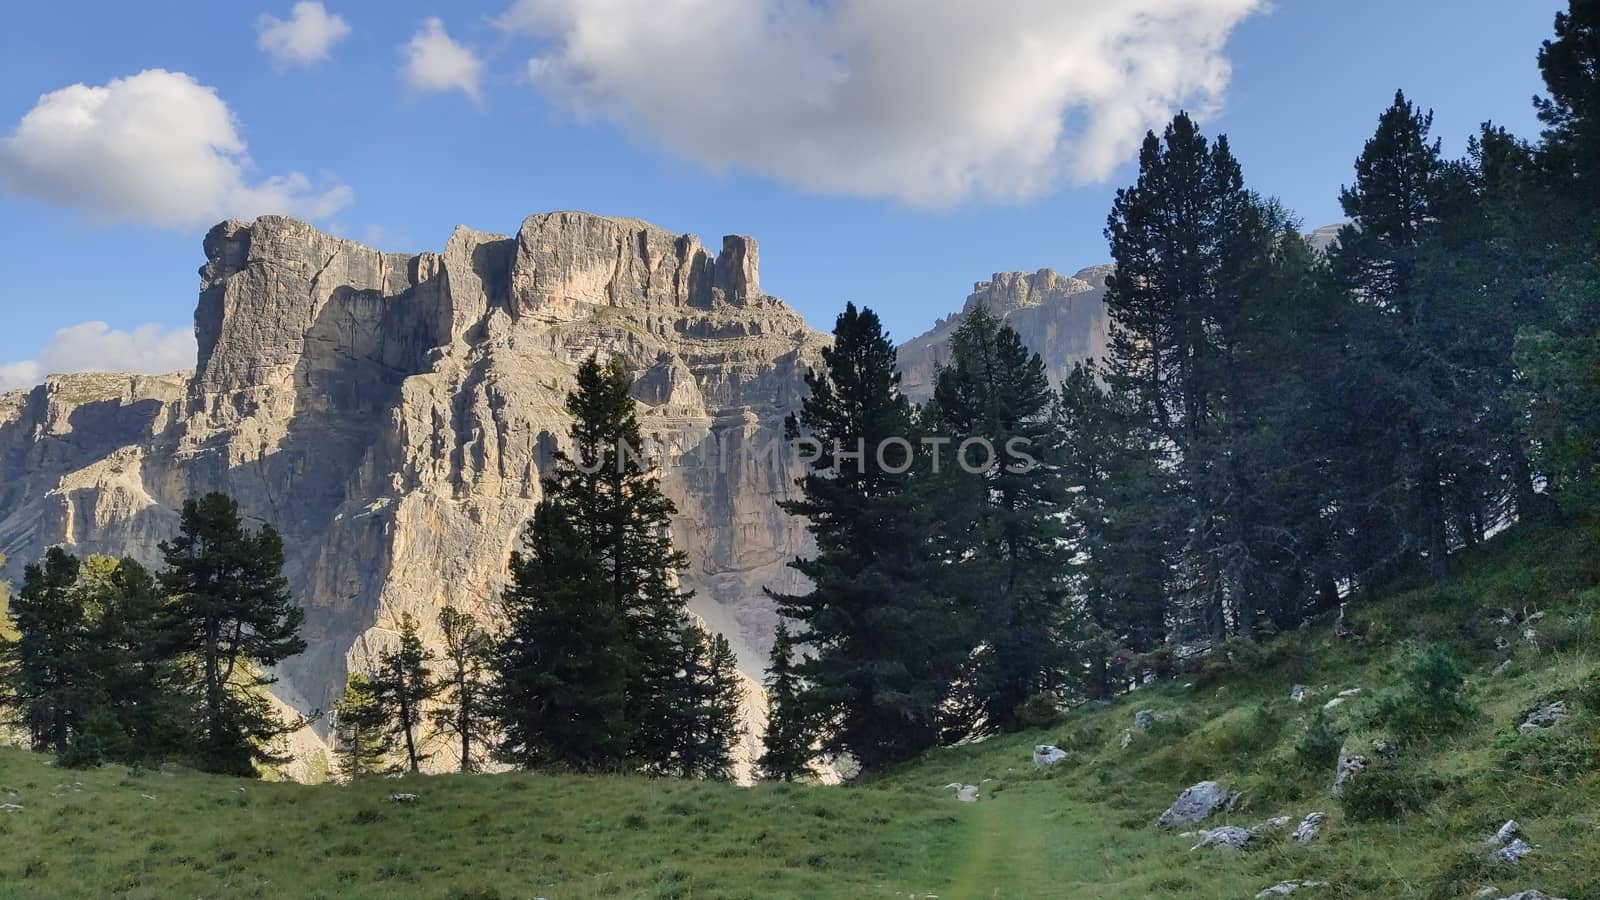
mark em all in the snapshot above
pixel 886 152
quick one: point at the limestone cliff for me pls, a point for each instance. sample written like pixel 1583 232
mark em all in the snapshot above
pixel 391 415
pixel 1061 318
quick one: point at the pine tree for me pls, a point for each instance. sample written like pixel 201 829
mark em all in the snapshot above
pixel 463 710
pixel 1570 65
pixel 707 708
pixel 361 739
pixel 886 642
pixel 42 667
pixel 1188 240
pixel 787 745
pixel 230 617
pixel 404 684
pixel 562 664
pixel 998 523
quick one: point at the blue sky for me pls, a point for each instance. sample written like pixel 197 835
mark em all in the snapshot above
pixel 662 128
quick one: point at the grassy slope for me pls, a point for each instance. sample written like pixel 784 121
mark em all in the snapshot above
pixel 1080 830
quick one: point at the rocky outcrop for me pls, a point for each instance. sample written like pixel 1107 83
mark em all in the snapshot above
pixel 1061 318
pixel 392 415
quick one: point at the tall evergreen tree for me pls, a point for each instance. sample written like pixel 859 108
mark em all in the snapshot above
pixel 787 746
pixel 1188 240
pixel 707 701
pixel 361 739
pixel 884 644
pixel 404 684
pixel 1570 64
pixel 230 617
pixel 998 528
pixel 562 663
pixel 42 667
pixel 463 711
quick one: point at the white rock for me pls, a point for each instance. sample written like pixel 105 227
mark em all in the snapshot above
pixel 402 798
pixel 1514 851
pixel 1507 831
pixel 1195 804
pixel 1144 718
pixel 10 807
pixel 1546 716
pixel 1229 837
pixel 966 793
pixel 1337 701
pixel 1309 828
pixel 1276 823
pixel 1350 765
pixel 1127 739
pixel 1285 888
pixel 1300 694
pixel 1350 692
pixel 1047 755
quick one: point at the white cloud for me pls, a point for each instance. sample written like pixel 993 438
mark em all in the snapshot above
pixel 158 148
pixel 435 62
pixel 305 38
pixel 928 101
pixel 97 347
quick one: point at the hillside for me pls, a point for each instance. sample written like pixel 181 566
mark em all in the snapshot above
pixel 1081 829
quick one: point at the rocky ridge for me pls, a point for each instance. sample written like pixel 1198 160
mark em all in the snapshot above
pixel 391 414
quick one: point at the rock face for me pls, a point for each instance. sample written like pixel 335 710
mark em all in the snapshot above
pixel 1061 318
pixel 391 415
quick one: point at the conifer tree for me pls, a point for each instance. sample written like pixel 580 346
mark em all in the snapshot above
pixel 43 666
pixel 463 709
pixel 1570 65
pixel 361 739
pixel 787 745
pixel 998 526
pixel 229 616
pixel 885 640
pixel 562 664
pixel 708 699
pixel 404 684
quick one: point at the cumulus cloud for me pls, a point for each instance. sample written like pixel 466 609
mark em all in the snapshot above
pixel 304 38
pixel 157 148
pixel 928 101
pixel 97 347
pixel 435 62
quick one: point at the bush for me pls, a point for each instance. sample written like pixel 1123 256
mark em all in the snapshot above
pixel 1318 746
pixel 1039 711
pixel 1430 697
pixel 1385 791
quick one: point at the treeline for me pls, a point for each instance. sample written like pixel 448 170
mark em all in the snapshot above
pixel 596 665
pixel 111 662
pixel 1275 430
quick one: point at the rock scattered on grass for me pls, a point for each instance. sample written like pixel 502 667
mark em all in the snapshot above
pixel 1513 852
pixel 1144 718
pixel 1276 823
pixel 966 793
pixel 1532 895
pixel 1231 838
pixel 402 798
pixel 1546 716
pixel 1047 755
pixel 1195 804
pixel 1350 765
pixel 1285 888
pixel 1309 827
pixel 1507 831
pixel 10 807
pixel 1127 739
pixel 1300 694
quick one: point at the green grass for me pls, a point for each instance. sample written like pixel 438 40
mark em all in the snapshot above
pixel 1082 829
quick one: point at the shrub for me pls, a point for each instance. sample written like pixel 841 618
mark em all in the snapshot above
pixel 1430 697
pixel 1039 711
pixel 1385 791
pixel 1318 746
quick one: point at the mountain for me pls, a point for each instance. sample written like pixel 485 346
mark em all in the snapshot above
pixel 1061 318
pixel 391 416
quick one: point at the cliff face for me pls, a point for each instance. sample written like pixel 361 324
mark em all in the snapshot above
pixel 1061 318
pixel 391 415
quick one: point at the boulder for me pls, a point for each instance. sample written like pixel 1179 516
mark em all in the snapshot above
pixel 1546 716
pixel 402 798
pixel 1127 739
pixel 1532 895
pixel 1309 827
pixel 1276 823
pixel 1144 718
pixel 1231 838
pixel 1507 831
pixel 1047 755
pixel 1300 693
pixel 1350 764
pixel 966 793
pixel 1195 804
pixel 1513 852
